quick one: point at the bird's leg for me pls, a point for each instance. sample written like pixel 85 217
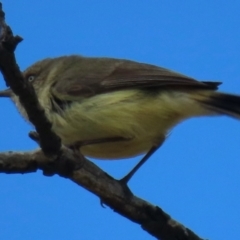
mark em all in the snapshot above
pixel 80 144
pixel 126 179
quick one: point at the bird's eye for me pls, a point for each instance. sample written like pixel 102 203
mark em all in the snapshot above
pixel 30 78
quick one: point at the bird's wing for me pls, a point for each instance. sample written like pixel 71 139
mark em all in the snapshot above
pixel 105 75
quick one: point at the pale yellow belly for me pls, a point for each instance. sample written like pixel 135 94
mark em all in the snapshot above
pixel 117 150
pixel 140 117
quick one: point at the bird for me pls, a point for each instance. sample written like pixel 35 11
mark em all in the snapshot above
pixel 115 108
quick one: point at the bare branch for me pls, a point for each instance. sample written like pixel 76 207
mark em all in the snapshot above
pixel 151 218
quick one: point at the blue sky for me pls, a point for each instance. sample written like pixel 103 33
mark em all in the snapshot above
pixel 194 176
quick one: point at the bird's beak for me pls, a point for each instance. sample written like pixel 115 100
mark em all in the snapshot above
pixel 6 93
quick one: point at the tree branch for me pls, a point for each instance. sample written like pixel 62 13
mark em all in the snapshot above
pixel 151 218
pixel 70 165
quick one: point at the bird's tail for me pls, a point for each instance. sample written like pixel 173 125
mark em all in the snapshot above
pixel 220 103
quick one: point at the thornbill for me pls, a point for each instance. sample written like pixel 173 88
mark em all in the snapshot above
pixel 115 108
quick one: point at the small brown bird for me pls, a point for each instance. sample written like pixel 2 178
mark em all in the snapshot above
pixel 116 108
